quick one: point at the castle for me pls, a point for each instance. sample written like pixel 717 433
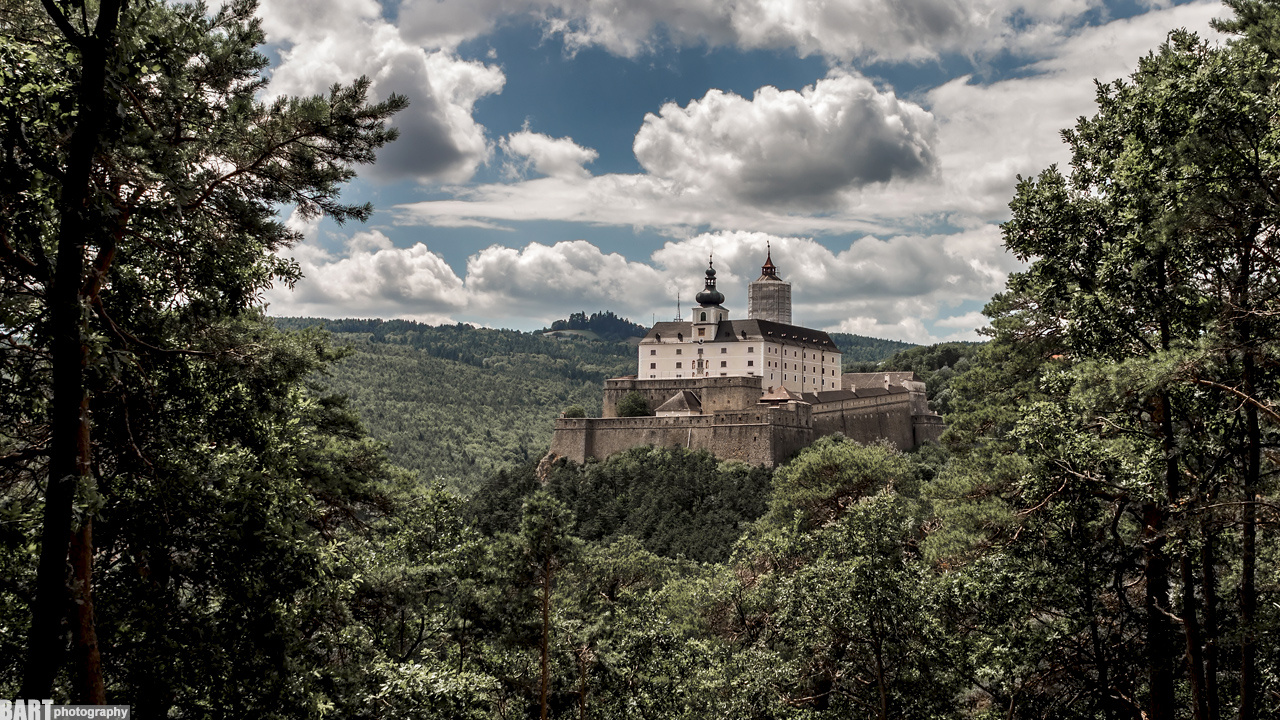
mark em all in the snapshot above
pixel 756 390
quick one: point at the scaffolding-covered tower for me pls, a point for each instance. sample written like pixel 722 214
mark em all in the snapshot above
pixel 769 297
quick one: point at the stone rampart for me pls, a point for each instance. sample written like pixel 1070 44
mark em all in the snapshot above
pixel 734 425
pixel 868 419
pixel 715 393
pixel 763 436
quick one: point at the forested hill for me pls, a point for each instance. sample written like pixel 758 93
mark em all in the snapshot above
pixel 605 324
pixel 860 348
pixel 459 402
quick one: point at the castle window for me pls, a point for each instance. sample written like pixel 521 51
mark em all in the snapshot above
pixel 751 363
pixel 653 366
pixel 724 363
pixel 679 375
pixel 653 352
pixel 679 365
pixel 704 319
pixel 678 351
pixel 702 331
pixel 724 350
pixel 751 348
pixel 652 377
pixel 699 351
pixel 723 374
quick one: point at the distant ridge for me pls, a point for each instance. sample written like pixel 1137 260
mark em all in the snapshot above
pixel 605 325
pixel 860 348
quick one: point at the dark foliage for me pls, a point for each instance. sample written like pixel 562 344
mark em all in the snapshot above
pixel 675 502
pixel 605 324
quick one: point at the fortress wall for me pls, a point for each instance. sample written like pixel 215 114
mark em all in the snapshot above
pixel 570 438
pixel 754 433
pixel 928 428
pixel 778 434
pixel 715 393
pixel 868 419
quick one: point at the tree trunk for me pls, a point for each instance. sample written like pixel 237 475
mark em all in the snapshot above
pixel 68 441
pixel 1191 630
pixel 1209 590
pixel 881 684
pixel 1161 648
pixel 546 632
pixel 1252 472
pixel 89 688
pixel 1248 566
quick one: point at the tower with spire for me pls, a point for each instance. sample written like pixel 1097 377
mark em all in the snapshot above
pixel 710 300
pixel 769 297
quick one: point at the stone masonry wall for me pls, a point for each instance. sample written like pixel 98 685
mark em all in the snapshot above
pixel 868 419
pixel 764 436
pixel 715 393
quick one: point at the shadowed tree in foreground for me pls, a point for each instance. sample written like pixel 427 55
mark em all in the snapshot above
pixel 141 180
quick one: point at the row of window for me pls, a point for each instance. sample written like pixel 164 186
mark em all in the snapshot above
pixel 723 363
pixel 723 350
pixel 751 349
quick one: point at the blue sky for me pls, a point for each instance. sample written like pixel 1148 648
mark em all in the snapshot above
pixel 564 155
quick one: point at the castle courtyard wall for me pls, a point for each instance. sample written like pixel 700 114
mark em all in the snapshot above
pixel 734 425
pixel 716 393
pixel 764 436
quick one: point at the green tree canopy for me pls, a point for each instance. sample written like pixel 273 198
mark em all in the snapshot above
pixel 140 182
pixel 1143 333
pixel 633 404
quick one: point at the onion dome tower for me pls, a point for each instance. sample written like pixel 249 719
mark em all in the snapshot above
pixel 710 310
pixel 769 297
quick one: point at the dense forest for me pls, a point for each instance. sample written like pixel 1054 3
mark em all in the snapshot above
pixel 193 522
pixel 861 349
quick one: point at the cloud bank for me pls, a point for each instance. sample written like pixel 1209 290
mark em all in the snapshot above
pixel 888 287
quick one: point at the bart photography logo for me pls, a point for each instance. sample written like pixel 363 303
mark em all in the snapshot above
pixel 46 710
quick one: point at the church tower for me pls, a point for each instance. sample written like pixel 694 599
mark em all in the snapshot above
pixel 709 310
pixel 769 298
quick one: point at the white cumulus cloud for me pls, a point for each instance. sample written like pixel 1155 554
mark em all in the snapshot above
pixel 543 281
pixel 340 40
pixel 783 147
pixel 887 288
pixel 558 157
pixel 371 279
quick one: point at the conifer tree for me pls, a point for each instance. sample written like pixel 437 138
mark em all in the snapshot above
pixel 141 180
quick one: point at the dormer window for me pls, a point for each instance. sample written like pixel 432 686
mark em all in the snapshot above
pixel 679 337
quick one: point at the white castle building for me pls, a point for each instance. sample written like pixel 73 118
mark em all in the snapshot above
pixel 765 345
pixel 756 390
